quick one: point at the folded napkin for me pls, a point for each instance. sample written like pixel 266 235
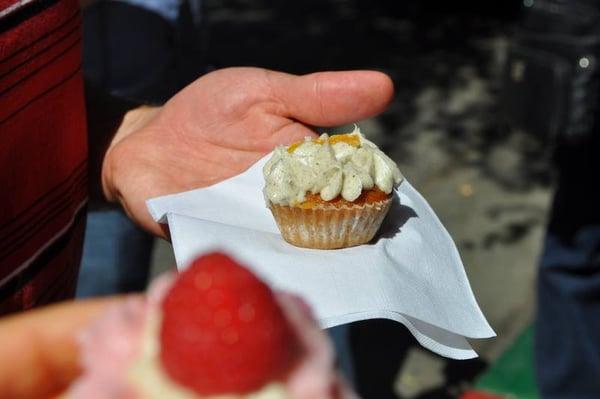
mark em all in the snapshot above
pixel 411 272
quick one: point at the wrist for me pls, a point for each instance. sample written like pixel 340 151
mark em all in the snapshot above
pixel 133 121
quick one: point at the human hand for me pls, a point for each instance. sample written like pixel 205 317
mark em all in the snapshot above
pixel 224 122
pixel 39 348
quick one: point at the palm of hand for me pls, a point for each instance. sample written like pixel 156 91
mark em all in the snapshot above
pixel 224 122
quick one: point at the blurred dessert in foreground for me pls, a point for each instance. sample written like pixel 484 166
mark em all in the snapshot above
pixel 214 331
pixel 330 192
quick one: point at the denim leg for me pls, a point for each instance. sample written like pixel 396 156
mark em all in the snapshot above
pixel 567 347
pixel 116 255
pixel 340 335
pixel 568 321
pixel 567 344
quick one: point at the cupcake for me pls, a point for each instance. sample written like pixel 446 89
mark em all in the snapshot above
pixel 216 332
pixel 330 192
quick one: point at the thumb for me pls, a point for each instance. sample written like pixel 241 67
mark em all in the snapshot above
pixel 333 98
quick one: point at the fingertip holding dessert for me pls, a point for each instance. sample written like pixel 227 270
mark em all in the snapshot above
pixel 331 192
pixel 215 331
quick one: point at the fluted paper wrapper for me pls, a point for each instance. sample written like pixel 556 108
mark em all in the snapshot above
pixel 330 227
pixel 410 272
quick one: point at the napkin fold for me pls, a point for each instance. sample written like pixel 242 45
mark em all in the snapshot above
pixel 411 272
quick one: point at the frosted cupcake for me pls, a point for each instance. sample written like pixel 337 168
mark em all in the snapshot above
pixel 213 332
pixel 331 192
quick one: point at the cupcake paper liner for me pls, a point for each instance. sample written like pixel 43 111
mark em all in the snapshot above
pixel 330 227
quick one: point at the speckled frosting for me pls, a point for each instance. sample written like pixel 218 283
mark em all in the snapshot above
pixel 330 166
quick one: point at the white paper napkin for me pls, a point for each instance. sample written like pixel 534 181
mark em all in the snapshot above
pixel 411 273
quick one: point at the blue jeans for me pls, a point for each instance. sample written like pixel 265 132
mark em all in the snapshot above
pixel 116 255
pixel 567 346
pixel 568 320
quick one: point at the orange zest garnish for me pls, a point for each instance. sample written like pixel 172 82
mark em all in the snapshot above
pixel 352 139
pixel 293 146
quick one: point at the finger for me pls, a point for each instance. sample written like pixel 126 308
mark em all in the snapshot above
pixel 332 98
pixel 42 348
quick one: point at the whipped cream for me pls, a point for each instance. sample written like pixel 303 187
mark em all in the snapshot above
pixel 330 168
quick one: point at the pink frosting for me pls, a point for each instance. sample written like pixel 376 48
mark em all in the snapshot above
pixel 110 345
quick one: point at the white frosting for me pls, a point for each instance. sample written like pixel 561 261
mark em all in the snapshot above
pixel 329 170
pixel 147 375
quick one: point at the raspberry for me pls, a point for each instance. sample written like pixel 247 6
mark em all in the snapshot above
pixel 222 331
